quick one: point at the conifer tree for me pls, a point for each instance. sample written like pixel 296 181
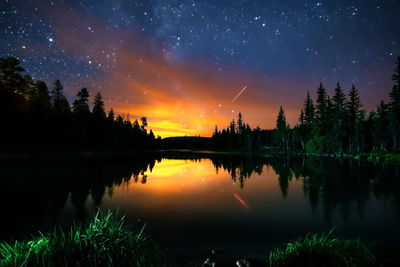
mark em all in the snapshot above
pixel 240 125
pixel 98 107
pixel 394 106
pixel 10 75
pixel 111 116
pixel 338 132
pixel 308 112
pixel 144 124
pixel 80 105
pixel 281 120
pixel 301 130
pixel 339 100
pixel 39 100
pixel 321 110
pixel 232 127
pixel 12 87
pixel 354 105
pixel 301 117
pixel 381 127
pixel 216 133
pixel 281 129
pixel 59 102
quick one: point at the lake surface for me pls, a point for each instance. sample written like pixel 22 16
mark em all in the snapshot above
pixel 194 203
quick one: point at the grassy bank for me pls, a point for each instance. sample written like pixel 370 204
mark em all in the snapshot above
pixel 103 242
pixel 322 250
pixel 106 242
pixel 382 156
pixel 374 156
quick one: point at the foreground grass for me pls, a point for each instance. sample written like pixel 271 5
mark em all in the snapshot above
pixel 106 242
pixel 322 250
pixel 103 242
pixel 382 156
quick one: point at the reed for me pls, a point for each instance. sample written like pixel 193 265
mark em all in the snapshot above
pixel 105 241
pixel 322 250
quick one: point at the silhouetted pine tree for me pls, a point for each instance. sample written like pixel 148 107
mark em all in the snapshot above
pixel 13 103
pixel 308 116
pixel 381 125
pixel 144 124
pixel 98 108
pixel 281 129
pixel 59 102
pixel 10 76
pixel 339 100
pixel 39 99
pixel 354 107
pixel 338 132
pixel 111 115
pixel 301 130
pixel 31 118
pixel 240 125
pixel 81 119
pixel 394 105
pixel 12 87
pixel 321 112
pixel 354 104
pixel 80 107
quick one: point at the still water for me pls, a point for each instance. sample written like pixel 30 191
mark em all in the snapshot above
pixel 193 203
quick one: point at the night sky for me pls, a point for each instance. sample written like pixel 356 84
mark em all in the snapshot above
pixel 181 63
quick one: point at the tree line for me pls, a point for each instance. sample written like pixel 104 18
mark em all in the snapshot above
pixel 239 136
pixel 332 125
pixel 340 124
pixel 32 117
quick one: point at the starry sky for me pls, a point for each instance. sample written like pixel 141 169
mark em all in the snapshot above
pixel 182 63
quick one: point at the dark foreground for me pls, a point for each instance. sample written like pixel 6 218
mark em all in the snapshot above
pixel 105 241
pixel 223 207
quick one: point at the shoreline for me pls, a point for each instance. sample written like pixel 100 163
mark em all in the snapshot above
pixel 376 156
pixel 106 232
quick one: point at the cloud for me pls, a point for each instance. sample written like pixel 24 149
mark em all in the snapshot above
pixel 186 96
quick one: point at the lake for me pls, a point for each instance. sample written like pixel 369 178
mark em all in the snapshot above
pixel 192 203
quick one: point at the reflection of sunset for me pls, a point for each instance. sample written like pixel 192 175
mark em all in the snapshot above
pixel 171 175
pixel 185 184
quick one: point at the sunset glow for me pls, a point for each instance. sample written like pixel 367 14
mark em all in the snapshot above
pixel 187 91
pixel 200 132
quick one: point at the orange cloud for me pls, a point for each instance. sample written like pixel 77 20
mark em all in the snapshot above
pixel 178 96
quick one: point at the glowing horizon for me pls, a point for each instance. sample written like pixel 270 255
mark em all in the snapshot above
pixel 140 74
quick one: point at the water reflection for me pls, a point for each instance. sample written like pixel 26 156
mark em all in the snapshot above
pixel 331 183
pixel 37 196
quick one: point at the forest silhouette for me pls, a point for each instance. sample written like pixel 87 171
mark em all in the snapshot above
pixel 32 118
pixel 333 125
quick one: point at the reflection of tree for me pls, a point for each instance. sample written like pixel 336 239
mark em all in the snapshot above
pixel 335 184
pixel 97 192
pixel 329 184
pixel 341 184
pixel 240 168
pixel 332 184
pixel 78 199
pixel 284 172
pixel 34 191
pixel 387 183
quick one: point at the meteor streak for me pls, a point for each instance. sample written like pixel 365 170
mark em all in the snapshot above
pixel 241 201
pixel 244 88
